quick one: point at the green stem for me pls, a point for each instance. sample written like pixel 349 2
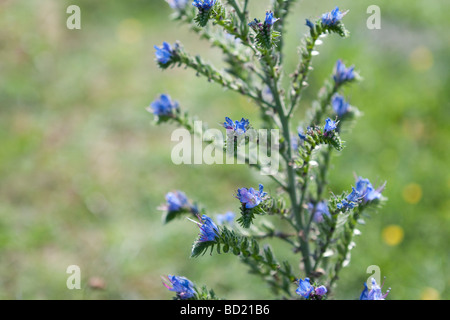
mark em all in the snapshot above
pixel 258 166
pixel 302 72
pixel 277 234
pixel 272 80
pixel 230 28
pixel 214 75
pixel 321 183
pixel 281 11
pixel 325 100
pixel 242 14
pixel 346 244
pixel 324 248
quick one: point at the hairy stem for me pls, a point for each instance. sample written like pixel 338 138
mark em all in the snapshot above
pixel 301 74
pixel 348 237
pixel 273 79
pixel 214 75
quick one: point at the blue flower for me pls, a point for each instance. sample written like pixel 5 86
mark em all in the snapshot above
pixel 302 133
pixel 208 230
pixel 340 106
pixel 343 74
pixel 310 24
pixel 176 201
pixel 320 291
pixel 164 106
pixel 320 210
pixel 333 18
pixel 241 126
pixel 374 293
pixel 304 288
pixel 204 5
pixel 238 127
pixel 295 142
pixel 225 218
pixel 270 20
pixel 354 196
pixel 350 201
pixel 330 126
pixel 264 29
pixel 182 286
pixel 177 4
pixel 164 53
pixel 250 197
pixel 367 191
pixel 255 24
pixel 346 205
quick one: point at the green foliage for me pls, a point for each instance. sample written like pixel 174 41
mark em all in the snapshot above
pixel 74 124
pixel 263 263
pixel 205 294
pixel 248 215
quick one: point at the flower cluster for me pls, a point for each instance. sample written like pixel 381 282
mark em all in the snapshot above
pixel 333 18
pixel 163 107
pixel 367 191
pixel 251 198
pixel 183 287
pixel 177 201
pixel 315 135
pixel 374 293
pixel 177 4
pixel 236 127
pixel 225 218
pixel 340 106
pixel 364 191
pixel 164 54
pixel 302 133
pixel 308 291
pixel 350 201
pixel 204 5
pixel 318 228
pixel 310 24
pixel 270 19
pixel 207 9
pixel 319 210
pixel 342 74
pixel 330 126
pixel 265 34
pixel 208 229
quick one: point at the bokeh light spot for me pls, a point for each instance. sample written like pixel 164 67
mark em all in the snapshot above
pixel 421 59
pixel 393 235
pixel 412 193
pixel 430 294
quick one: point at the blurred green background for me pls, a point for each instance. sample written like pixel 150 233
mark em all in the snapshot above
pixel 83 169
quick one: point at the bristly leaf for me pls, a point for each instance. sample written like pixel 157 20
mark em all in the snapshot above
pixel 265 34
pixel 208 9
pixel 248 215
pixel 334 140
pixel 204 294
pixel 171 215
pixel 200 248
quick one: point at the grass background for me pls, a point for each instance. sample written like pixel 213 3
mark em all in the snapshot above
pixel 83 168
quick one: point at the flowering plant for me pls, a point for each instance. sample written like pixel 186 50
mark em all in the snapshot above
pixel 323 225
